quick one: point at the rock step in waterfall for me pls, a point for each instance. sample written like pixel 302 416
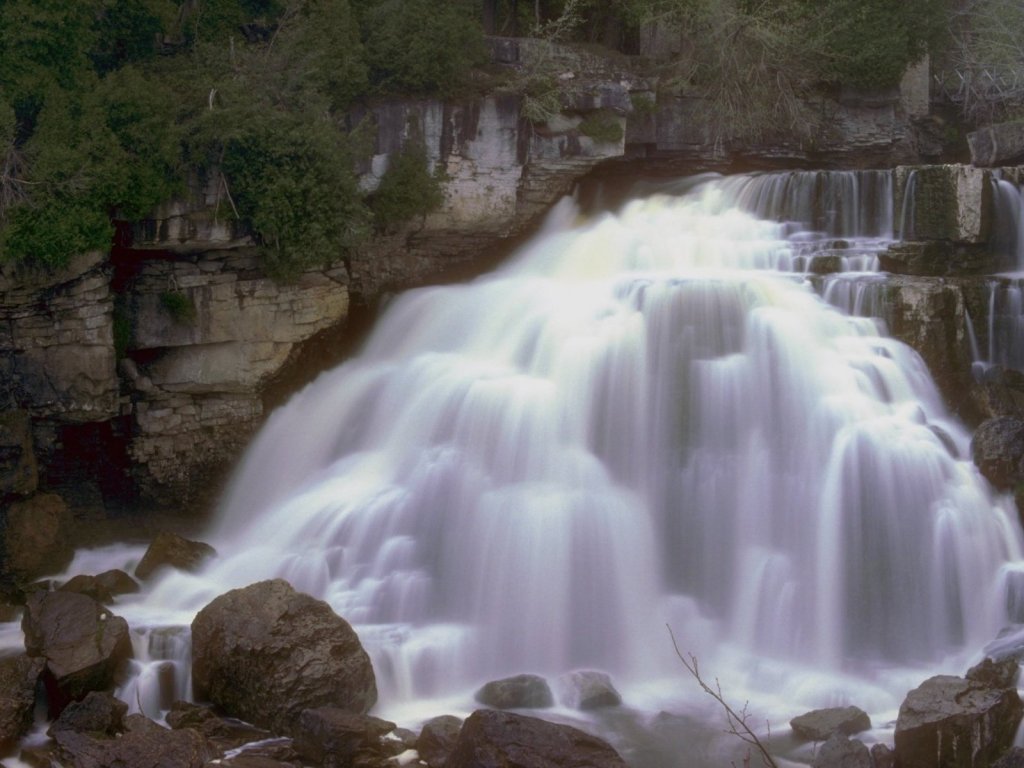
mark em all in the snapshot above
pixel 651 417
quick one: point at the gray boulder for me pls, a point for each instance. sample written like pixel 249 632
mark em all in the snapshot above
pixel 169 549
pixel 18 677
pixel 265 653
pixel 950 722
pixel 437 740
pixel 822 723
pixel 495 738
pixel 587 689
pixel 519 692
pixel 841 752
pixel 81 641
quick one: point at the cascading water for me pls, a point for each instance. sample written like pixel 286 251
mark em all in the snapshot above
pixel 648 419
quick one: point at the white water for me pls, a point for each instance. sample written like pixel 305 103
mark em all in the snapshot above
pixel 645 420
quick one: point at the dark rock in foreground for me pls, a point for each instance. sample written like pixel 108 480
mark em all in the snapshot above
pixel 97 713
pixel 18 676
pixel 994 674
pixel 222 734
pixel 950 722
pixel 334 738
pixel 822 723
pixel 142 744
pixel 265 653
pixel 519 692
pixel 437 739
pixel 998 450
pixel 37 537
pixel 117 582
pixel 495 738
pixel 82 642
pixel 169 549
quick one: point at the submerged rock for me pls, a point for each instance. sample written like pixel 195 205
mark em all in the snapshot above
pixel 822 723
pixel 265 653
pixel 82 642
pixel 169 549
pixel 950 722
pixel 587 689
pixel 494 738
pixel 519 692
pixel 437 739
pixel 18 677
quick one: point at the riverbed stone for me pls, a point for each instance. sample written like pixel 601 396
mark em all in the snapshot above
pixel 587 689
pixel 951 722
pixel 170 549
pixel 265 653
pixel 117 582
pixel 141 744
pixel 82 642
pixel 437 739
pixel 518 692
pixel 840 751
pixel 18 677
pixel 822 723
pixel 99 713
pixel 491 737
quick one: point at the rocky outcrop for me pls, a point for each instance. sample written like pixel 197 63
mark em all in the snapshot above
pixel 18 677
pixel 265 653
pixel 169 550
pixel 820 724
pixel 998 451
pixel 999 144
pixel 493 737
pixel 951 203
pixel 82 643
pixel 519 692
pixel 954 722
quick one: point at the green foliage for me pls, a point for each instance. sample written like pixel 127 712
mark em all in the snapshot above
pixel 179 306
pixel 408 189
pixel 50 233
pixel 602 126
pixel 421 46
pixel 542 99
pixel 128 30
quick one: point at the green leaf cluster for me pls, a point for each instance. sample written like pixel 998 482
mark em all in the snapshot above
pixel 408 189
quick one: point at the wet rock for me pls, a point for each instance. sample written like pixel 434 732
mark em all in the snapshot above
pixel 82 642
pixel 222 733
pixel 265 653
pixel 88 585
pixel 822 723
pixel 955 723
pixel 334 738
pixel 841 752
pixel 998 450
pixel 143 744
pixel 519 692
pixel 169 549
pixel 950 203
pixel 882 756
pixel 999 144
pixel 495 738
pixel 18 677
pixel 994 674
pixel 37 538
pixel 98 712
pixel 437 739
pixel 825 264
pixel 18 475
pixel 117 582
pixel 587 689
pixel 1012 759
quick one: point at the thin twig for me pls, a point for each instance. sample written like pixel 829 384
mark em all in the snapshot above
pixel 737 720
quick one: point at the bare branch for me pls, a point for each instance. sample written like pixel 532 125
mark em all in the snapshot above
pixel 737 721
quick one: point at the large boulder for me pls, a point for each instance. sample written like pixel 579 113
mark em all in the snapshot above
pixel 265 653
pixel 492 737
pixel 82 643
pixel 335 738
pixel 18 676
pixel 951 722
pixel 822 723
pixel 98 713
pixel 519 692
pixel 998 450
pixel 437 740
pixel 142 744
pixel 169 549
pixel 36 537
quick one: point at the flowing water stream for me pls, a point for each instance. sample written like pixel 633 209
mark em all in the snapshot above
pixel 647 418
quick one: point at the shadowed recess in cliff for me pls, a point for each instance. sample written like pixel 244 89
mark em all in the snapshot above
pixel 648 418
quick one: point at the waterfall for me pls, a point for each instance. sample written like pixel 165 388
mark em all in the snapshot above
pixel 1009 213
pixel 649 418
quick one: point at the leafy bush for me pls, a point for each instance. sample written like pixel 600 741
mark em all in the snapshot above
pixel 408 189
pixel 602 126
pixel 421 46
pixel 179 306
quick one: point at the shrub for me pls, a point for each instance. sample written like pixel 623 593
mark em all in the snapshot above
pixel 408 189
pixel 179 306
pixel 602 126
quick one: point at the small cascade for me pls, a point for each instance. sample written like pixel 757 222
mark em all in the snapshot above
pixel 908 208
pixel 1008 239
pixel 1005 325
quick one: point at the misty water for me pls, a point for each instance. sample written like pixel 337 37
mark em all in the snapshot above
pixel 646 418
